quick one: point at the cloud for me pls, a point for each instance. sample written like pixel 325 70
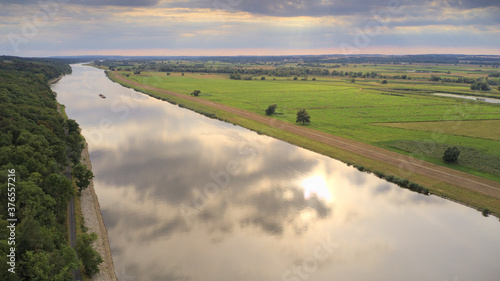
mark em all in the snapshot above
pixel 127 3
pixel 243 24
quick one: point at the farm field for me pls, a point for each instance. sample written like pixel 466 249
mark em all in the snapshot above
pixel 366 110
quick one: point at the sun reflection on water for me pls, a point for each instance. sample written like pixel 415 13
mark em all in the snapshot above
pixel 316 185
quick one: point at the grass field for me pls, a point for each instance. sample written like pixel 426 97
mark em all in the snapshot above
pixel 440 188
pixel 405 108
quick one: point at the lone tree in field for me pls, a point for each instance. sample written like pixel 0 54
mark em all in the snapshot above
pixel 271 109
pixel 196 93
pixel 303 117
pixel 451 154
pixel 384 81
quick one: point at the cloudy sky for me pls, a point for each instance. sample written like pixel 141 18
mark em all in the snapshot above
pixel 248 27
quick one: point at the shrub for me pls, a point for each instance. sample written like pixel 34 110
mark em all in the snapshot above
pixel 384 81
pixel 451 154
pixel 486 212
pixel 271 109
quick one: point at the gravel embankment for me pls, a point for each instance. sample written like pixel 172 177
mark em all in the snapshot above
pixel 93 221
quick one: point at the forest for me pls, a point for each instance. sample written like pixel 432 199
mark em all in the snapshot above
pixel 37 143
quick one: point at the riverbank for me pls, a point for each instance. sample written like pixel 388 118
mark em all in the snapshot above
pixel 91 212
pixel 470 190
pixel 55 80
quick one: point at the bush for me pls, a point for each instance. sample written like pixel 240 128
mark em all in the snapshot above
pixel 295 78
pixel 481 85
pixel 451 154
pixel 314 79
pixel 360 168
pixel 235 76
pixel 486 212
pixel 384 81
pixel 90 257
pixel 271 109
pixel 262 78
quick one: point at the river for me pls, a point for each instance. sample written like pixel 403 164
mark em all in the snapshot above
pixel 185 197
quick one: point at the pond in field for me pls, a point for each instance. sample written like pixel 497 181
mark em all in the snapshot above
pixel 484 99
pixel 185 197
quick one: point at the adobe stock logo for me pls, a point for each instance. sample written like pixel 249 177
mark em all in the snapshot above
pixel 31 27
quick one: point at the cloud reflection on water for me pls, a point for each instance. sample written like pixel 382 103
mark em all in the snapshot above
pixel 273 212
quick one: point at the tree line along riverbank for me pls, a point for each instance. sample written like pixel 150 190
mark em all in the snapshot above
pixel 37 144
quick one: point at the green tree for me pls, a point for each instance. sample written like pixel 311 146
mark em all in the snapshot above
pixel 90 257
pixel 196 93
pixel 384 81
pixel 303 117
pixel 451 154
pixel 271 109
pixel 235 76
pixel 82 176
pixel 72 125
pixel 262 78
pixel 481 85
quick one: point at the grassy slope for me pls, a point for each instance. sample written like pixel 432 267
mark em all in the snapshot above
pixel 467 197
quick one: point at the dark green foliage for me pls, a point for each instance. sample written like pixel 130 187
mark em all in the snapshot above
pixel 451 154
pixel 486 212
pixel 33 142
pixel 303 117
pixel 196 93
pixel 295 78
pixel 235 76
pixel 271 109
pixel 481 85
pixel 90 258
pixel 353 80
pixel 360 168
pixel 384 81
pixel 82 176
pixel 262 78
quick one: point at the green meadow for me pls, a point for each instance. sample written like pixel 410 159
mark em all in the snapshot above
pixel 401 111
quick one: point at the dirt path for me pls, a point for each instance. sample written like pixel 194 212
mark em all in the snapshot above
pixel 407 164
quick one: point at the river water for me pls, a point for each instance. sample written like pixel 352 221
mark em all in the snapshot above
pixel 185 197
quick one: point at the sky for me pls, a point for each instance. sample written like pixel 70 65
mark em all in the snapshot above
pixel 248 27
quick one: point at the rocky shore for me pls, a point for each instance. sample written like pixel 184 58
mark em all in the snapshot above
pixel 91 212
